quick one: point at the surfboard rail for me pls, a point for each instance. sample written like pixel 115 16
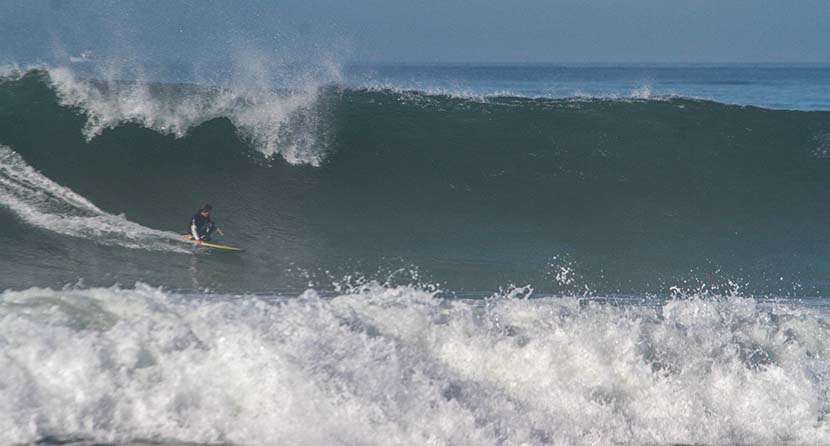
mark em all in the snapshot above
pixel 211 245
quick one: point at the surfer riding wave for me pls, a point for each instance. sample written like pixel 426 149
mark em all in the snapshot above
pixel 201 227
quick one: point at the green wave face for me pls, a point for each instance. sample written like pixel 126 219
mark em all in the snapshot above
pixel 610 196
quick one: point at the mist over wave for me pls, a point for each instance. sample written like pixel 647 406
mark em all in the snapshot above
pixel 378 365
pixel 277 117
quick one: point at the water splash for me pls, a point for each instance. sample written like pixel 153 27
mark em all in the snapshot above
pixel 276 122
pixel 41 202
pixel 396 364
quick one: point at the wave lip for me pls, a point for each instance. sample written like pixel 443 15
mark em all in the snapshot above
pixel 375 364
pixel 41 202
pixel 284 123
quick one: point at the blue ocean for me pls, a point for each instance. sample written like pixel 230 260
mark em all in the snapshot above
pixel 445 254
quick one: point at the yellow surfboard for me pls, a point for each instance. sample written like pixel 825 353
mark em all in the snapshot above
pixel 226 248
pixel 211 245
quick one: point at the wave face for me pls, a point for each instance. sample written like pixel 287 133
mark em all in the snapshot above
pixel 44 204
pixel 375 365
pixel 631 196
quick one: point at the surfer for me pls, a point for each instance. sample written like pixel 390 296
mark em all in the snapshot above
pixel 201 226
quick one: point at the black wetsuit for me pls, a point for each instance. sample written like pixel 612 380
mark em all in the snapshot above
pixel 200 227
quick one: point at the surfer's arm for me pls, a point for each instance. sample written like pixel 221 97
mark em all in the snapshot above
pixel 194 230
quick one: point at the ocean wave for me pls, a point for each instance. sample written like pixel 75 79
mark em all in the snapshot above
pixel 455 93
pixel 643 93
pixel 42 203
pixel 639 193
pixel 380 365
pixel 286 123
pixel 13 72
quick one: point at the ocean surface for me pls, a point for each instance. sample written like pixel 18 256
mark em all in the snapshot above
pixel 434 254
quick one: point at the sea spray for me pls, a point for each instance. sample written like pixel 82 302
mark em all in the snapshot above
pixel 286 123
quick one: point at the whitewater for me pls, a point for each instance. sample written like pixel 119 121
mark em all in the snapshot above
pixel 45 204
pixel 396 365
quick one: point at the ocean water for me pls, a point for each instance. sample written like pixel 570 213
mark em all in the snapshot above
pixel 434 254
pixel 793 87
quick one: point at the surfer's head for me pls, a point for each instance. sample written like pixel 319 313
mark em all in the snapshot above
pixel 205 210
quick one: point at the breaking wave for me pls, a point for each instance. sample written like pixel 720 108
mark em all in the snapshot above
pixel 288 123
pixel 381 365
pixel 639 193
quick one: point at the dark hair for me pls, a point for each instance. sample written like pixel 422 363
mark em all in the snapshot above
pixel 206 207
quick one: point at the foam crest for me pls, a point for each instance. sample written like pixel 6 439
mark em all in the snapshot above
pixel 434 96
pixel 409 91
pixel 41 202
pixel 284 123
pixel 642 93
pixel 396 365
pixel 11 72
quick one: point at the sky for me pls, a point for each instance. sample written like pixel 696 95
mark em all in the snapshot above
pixel 536 31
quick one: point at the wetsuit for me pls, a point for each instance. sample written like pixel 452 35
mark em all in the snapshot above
pixel 200 227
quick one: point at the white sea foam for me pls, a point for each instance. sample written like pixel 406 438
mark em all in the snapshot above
pixel 642 93
pixel 454 93
pixel 41 202
pixel 282 123
pixel 426 95
pixel 381 366
pixel 12 71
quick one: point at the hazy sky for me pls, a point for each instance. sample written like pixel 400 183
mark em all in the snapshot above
pixel 424 31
